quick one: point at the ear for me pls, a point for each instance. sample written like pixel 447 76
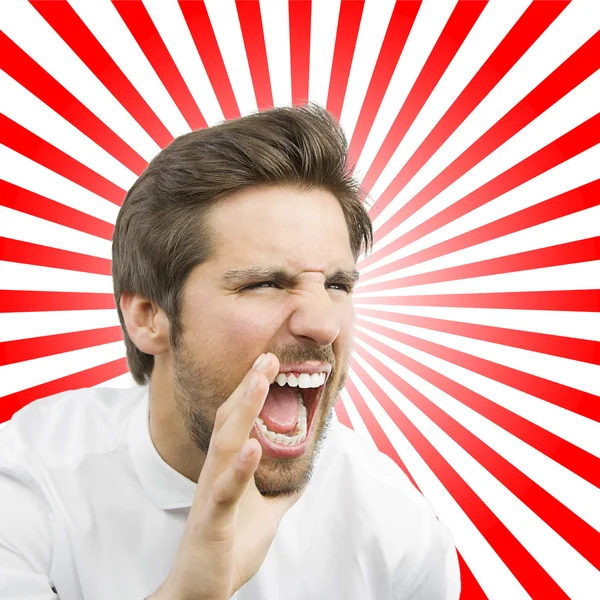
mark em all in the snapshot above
pixel 146 324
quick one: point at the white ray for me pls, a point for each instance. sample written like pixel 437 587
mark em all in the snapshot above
pixel 578 375
pixel 566 176
pixel 581 225
pixel 25 26
pixel 26 228
pixel 577 276
pixel 373 27
pixel 122 381
pixel 496 580
pixel 571 571
pixel 431 20
pixel 579 325
pixel 30 373
pixel 105 23
pixel 26 173
pixel 489 30
pixel 570 426
pixel 578 495
pixel 569 112
pixel 25 325
pixel 17 276
pixel 170 24
pixel 226 25
pixel 275 21
pixel 323 29
pixel 355 419
pixel 20 105
pixel 560 40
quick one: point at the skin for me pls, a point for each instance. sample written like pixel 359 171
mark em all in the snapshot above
pixel 202 407
pixel 225 329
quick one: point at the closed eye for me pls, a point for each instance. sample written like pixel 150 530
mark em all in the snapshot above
pixel 345 287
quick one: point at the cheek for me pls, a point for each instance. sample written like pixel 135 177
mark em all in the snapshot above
pixel 249 327
pixel 347 323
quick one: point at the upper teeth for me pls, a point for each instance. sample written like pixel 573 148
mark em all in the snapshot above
pixel 305 380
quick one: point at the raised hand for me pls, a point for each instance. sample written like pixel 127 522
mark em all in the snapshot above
pixel 231 525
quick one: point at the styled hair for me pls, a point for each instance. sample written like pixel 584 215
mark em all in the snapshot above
pixel 162 233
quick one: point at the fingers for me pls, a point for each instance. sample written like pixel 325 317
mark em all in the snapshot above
pixel 270 372
pixel 232 456
pixel 241 414
pixel 235 419
pixel 245 399
pixel 230 486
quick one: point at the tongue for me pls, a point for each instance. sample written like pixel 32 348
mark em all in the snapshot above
pixel 280 411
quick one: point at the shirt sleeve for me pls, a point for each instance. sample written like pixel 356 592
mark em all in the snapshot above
pixel 26 539
pixel 438 576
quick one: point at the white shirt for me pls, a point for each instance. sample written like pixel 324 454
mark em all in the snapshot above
pixel 88 506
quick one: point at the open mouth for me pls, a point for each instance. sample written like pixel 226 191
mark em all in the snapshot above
pixel 294 442
pixel 311 397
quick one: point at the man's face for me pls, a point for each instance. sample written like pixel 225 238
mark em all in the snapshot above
pixel 225 327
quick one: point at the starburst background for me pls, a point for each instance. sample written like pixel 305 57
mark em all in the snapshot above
pixel 475 127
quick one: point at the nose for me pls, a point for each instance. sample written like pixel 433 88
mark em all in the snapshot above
pixel 316 316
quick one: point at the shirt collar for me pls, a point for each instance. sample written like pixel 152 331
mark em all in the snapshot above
pixel 167 488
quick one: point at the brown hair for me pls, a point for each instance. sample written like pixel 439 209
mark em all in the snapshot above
pixel 161 232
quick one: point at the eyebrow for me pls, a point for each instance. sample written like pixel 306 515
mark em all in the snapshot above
pixel 283 277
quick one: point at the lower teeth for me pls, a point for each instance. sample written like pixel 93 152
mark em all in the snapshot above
pixel 300 428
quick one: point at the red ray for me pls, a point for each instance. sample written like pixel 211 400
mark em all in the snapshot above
pixel 200 27
pixel 45 256
pixel 256 51
pixel 458 27
pixel 561 300
pixel 567 524
pixel 376 432
pixel 577 401
pixel 523 566
pixel 563 148
pixel 35 148
pixel 33 301
pixel 578 67
pixel 561 254
pixel 401 22
pixel 299 17
pixel 533 22
pixel 139 23
pixel 30 348
pixel 69 26
pixel 345 43
pixel 587 351
pixel 573 458
pixel 30 75
pixel 33 204
pixel 469 586
pixel 10 404
pixel 565 204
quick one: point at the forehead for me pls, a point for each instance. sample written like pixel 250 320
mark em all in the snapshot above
pixel 305 229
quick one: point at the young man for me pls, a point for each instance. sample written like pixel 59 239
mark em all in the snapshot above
pixel 224 474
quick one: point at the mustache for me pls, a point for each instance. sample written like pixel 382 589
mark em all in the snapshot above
pixel 295 354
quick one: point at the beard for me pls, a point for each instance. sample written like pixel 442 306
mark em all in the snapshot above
pixel 200 391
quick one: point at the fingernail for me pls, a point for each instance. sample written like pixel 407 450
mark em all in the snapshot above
pixel 264 363
pixel 257 361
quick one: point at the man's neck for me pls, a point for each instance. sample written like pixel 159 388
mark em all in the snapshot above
pixel 169 435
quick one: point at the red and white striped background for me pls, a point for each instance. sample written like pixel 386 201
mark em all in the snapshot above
pixel 476 128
